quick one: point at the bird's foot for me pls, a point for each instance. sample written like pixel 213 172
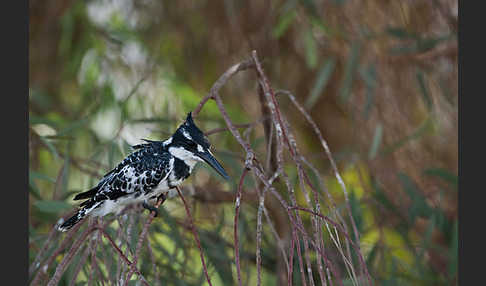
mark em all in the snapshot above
pixel 162 197
pixel 150 208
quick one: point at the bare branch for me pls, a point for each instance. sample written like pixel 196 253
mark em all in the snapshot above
pixel 220 82
pixel 151 217
pixel 237 210
pixel 196 237
pixel 45 266
pixel 124 258
pixel 67 259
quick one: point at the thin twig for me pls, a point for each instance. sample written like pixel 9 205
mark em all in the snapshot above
pixel 243 125
pixel 196 237
pixel 45 266
pixel 299 226
pixel 67 259
pixel 152 259
pixel 291 262
pixel 237 211
pixel 282 135
pixel 124 258
pixel 151 217
pixel 261 205
pixel 47 243
pixel 220 82
pixel 80 265
pixel 336 172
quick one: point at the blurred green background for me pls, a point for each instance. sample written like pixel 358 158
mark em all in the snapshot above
pixel 378 77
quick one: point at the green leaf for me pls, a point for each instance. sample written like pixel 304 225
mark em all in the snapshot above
pixel 453 251
pixel 423 89
pixel 376 141
pixel 310 49
pixel 40 98
pixel 38 120
pixel 415 135
pixel 133 237
pixel 369 77
pixel 321 82
pixel 446 91
pixel 159 120
pixel 217 256
pixel 50 146
pixel 257 142
pixel 111 154
pixel 62 178
pixel 346 85
pixel 418 206
pixel 40 176
pixel 400 33
pixel 443 174
pixel 73 126
pixel 420 45
pixel 126 148
pixel 283 24
pixel 48 206
pixel 356 211
pixel 371 256
pixel 33 188
pixel 174 233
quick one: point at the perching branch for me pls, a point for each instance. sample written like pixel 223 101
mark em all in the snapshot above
pixel 282 153
pixel 196 237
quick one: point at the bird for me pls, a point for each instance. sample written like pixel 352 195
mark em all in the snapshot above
pixel 148 173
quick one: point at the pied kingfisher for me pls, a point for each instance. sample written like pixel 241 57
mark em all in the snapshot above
pixel 148 173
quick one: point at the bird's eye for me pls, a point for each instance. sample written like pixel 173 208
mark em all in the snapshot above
pixel 192 144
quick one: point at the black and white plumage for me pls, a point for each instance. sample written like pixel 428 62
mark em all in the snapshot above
pixel 149 172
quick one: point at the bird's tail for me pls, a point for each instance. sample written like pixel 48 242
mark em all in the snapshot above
pixel 78 216
pixel 69 223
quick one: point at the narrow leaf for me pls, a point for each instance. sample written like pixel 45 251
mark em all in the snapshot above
pixel 443 174
pixel 321 82
pixel 52 206
pixel 310 49
pixel 283 24
pixel 453 251
pixel 415 135
pixel 418 206
pixel 400 33
pixel 349 69
pixel 73 127
pixel 40 176
pixel 376 141
pixel 369 77
pixel 50 146
pixel 423 89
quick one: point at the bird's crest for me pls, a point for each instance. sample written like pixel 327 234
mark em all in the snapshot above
pixel 189 130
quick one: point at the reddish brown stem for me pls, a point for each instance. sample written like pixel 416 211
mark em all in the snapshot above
pixel 45 266
pixel 196 237
pixel 62 266
pixel 220 82
pixel 356 247
pixel 142 237
pixel 237 211
pixel 291 262
pixel 124 258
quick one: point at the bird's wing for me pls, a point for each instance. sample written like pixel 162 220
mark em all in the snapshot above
pixel 139 172
pixel 106 178
pixel 144 145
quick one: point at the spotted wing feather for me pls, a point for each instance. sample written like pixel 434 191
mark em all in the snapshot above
pixel 137 174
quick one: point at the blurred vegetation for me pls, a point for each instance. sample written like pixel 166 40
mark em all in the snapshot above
pixel 378 77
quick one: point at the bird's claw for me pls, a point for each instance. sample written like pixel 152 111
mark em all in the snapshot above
pixel 150 208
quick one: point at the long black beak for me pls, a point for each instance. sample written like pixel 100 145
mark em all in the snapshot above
pixel 208 158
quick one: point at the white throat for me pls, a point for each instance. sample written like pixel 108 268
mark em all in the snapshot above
pixel 182 154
